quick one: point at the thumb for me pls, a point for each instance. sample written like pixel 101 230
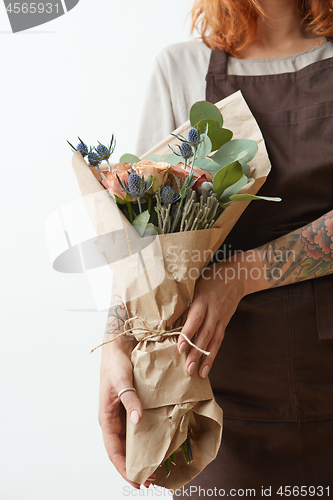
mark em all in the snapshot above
pixel 132 405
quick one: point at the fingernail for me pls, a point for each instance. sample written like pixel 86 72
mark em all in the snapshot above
pixel 191 368
pixel 205 371
pixel 182 347
pixel 134 417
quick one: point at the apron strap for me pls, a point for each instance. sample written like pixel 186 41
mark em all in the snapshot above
pixel 218 63
pixel 217 67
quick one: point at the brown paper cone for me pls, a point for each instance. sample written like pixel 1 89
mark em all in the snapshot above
pixel 157 276
pixel 173 401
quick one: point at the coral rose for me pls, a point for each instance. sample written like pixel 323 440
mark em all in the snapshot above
pixel 181 173
pixel 110 181
pixel 203 178
pixel 158 169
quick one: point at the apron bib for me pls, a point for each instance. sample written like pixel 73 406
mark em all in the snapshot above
pixel 273 375
pixel 276 360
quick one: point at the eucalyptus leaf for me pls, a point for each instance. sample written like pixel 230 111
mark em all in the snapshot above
pixel 231 190
pixel 151 230
pixel 141 221
pixel 205 162
pixel 224 160
pixel 128 158
pixel 170 158
pixel 208 165
pixel 205 148
pixel 246 168
pixel 247 197
pixel 155 158
pixel 203 110
pixel 227 176
pixel 215 132
pixel 242 150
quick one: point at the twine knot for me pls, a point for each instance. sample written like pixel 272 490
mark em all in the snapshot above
pixel 147 332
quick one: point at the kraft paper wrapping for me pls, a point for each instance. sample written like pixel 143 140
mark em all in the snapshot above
pixel 172 401
pixel 156 277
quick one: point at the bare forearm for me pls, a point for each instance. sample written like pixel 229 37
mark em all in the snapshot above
pixel 116 374
pixel 117 314
pixel 301 255
pixel 116 319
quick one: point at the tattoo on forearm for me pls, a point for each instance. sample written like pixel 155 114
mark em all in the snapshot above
pixel 303 254
pixel 277 255
pixel 317 241
pixel 117 313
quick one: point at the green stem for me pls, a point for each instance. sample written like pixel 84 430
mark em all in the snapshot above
pixel 139 203
pixel 194 157
pixel 150 204
pixel 109 166
pixel 130 212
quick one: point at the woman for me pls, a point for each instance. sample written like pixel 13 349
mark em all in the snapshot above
pixel 273 373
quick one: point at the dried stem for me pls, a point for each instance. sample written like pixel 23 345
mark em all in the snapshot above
pixel 197 213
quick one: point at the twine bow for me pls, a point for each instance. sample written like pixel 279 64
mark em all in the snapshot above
pixel 149 333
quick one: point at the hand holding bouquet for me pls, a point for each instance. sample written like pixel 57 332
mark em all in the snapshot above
pixel 180 208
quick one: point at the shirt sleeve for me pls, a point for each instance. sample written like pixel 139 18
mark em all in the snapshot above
pixel 177 82
pixel 157 120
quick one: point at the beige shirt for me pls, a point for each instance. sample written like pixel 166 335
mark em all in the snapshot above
pixel 178 81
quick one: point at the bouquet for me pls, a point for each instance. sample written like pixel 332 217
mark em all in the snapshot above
pixel 159 220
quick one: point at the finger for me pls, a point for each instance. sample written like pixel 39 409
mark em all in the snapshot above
pixel 112 414
pixel 123 380
pixel 204 336
pixel 150 480
pixel 195 318
pixel 213 348
pixel 132 405
pixel 112 430
pixel 114 442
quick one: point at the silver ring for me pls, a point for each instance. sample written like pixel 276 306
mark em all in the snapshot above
pixel 125 390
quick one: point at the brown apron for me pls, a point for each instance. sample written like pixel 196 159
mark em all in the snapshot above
pixel 273 375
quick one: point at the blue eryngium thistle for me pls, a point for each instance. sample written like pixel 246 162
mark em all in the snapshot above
pixel 101 150
pixel 186 150
pixel 137 186
pixel 96 155
pixel 81 147
pixel 93 159
pixel 134 184
pixel 193 137
pixel 168 195
pixel 104 152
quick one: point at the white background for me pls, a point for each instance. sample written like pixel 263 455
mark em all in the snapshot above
pixel 85 74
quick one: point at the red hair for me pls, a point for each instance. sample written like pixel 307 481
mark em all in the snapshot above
pixel 230 25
